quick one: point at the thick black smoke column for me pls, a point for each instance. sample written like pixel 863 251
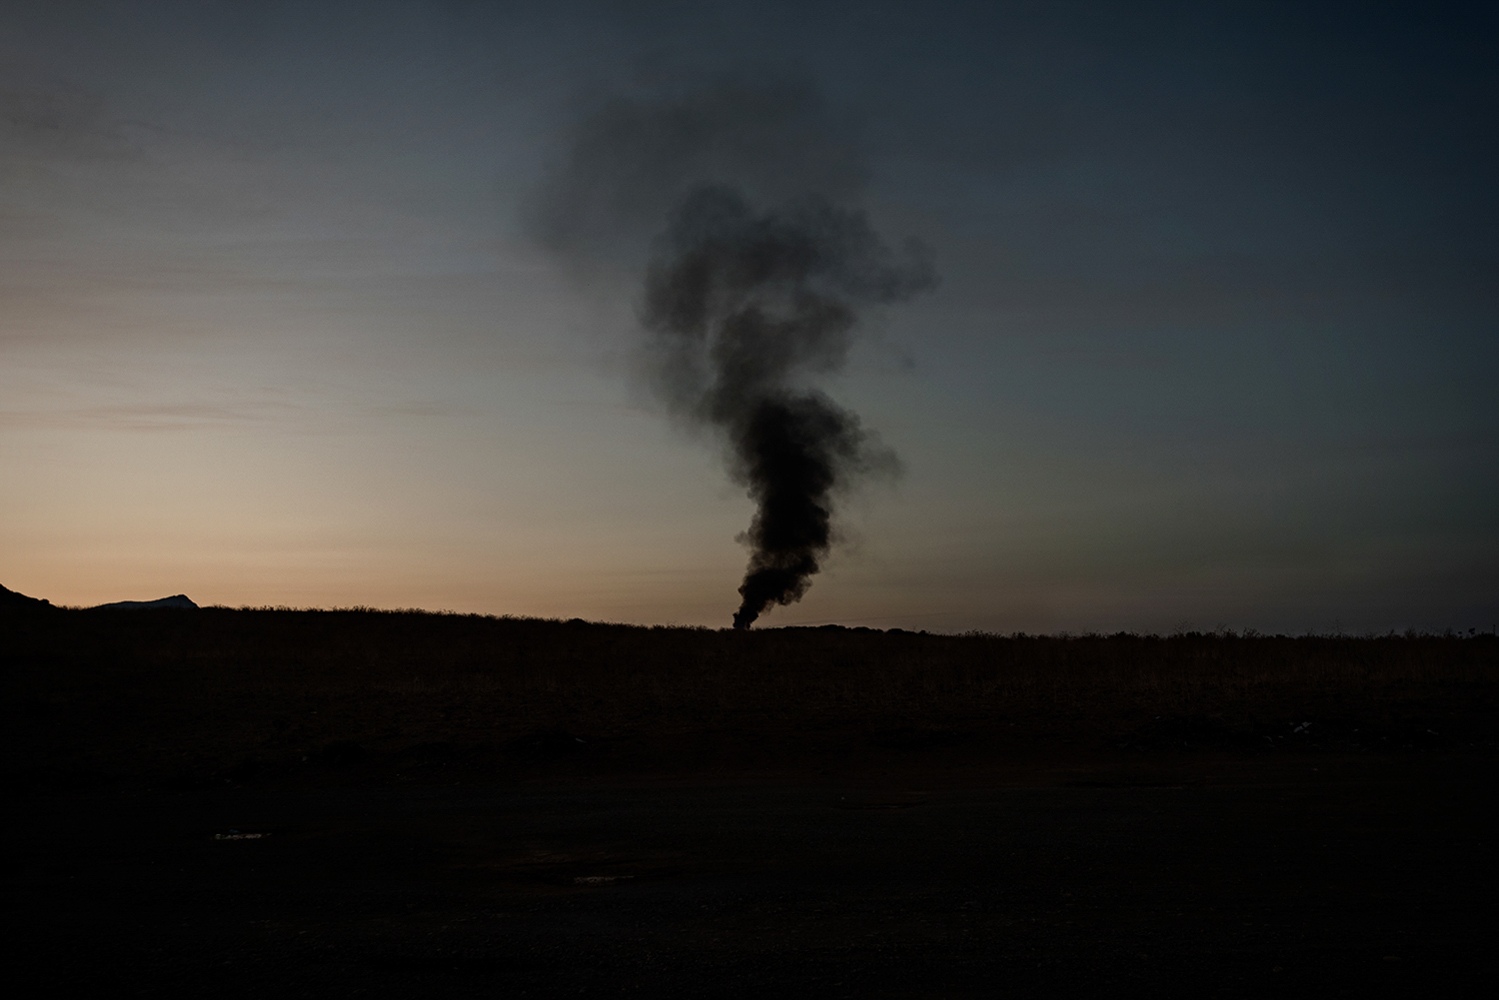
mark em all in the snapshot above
pixel 752 291
pixel 744 306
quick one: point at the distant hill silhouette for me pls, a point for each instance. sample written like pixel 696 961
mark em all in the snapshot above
pixel 175 601
pixel 12 601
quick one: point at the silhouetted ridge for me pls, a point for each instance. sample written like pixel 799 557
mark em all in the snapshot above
pixel 175 602
pixel 12 601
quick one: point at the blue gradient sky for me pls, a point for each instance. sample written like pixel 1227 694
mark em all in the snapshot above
pixel 1215 343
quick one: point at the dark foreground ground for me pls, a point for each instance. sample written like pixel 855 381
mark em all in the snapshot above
pixel 1203 877
pixel 426 847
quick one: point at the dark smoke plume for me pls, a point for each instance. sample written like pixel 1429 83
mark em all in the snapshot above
pixel 743 307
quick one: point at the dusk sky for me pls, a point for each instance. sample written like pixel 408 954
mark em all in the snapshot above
pixel 288 316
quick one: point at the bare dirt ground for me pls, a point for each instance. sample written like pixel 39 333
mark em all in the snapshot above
pixel 924 873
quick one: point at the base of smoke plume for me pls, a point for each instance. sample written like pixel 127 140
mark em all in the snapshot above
pixel 767 585
pixel 795 451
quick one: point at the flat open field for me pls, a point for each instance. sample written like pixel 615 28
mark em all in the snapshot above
pixel 463 806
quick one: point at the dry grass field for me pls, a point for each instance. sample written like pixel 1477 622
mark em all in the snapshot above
pixel 238 694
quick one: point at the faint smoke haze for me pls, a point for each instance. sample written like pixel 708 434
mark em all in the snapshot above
pixel 627 162
pixel 759 262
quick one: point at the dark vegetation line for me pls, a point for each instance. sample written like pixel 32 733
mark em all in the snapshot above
pixel 212 690
pixel 789 669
